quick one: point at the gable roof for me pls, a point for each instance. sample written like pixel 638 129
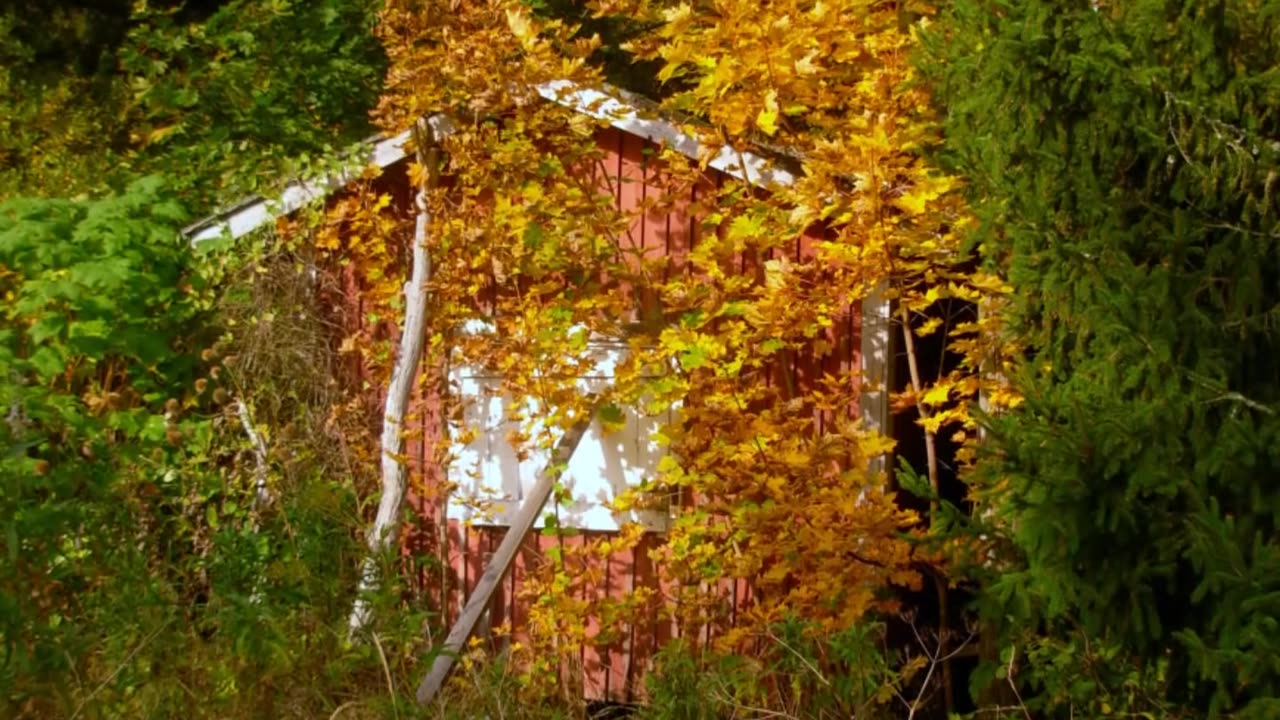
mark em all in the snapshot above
pixel 624 111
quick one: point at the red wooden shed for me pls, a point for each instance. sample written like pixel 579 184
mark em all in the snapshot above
pixel 629 135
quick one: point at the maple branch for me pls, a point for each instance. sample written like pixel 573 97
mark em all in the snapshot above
pixel 931 455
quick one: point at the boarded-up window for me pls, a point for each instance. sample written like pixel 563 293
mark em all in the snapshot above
pixel 493 480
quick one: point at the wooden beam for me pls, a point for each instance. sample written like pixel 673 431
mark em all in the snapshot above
pixel 502 558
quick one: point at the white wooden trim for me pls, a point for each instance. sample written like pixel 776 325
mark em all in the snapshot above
pixel 602 466
pixel 615 106
pixel 612 105
pixel 876 337
pixel 252 213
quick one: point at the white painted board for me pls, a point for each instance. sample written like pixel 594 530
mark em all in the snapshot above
pixel 604 465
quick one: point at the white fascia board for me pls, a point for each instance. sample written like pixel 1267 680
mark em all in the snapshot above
pixel 253 213
pixel 611 105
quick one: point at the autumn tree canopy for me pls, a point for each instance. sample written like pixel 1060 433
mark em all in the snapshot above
pixel 1064 215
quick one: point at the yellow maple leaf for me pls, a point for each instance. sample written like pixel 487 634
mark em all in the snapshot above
pixel 805 65
pixel 925 190
pixel 936 395
pixel 520 26
pixel 767 120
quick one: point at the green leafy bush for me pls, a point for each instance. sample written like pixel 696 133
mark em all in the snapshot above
pixel 142 574
pixel 791 673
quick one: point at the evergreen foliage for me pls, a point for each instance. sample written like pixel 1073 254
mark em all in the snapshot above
pixel 1122 159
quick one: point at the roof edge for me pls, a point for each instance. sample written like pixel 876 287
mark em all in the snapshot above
pixel 623 110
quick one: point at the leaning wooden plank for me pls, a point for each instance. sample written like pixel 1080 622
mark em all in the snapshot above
pixel 501 561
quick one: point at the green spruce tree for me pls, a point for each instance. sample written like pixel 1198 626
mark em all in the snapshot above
pixel 1122 158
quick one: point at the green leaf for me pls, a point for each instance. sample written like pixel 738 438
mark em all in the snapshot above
pixel 612 415
pixel 49 362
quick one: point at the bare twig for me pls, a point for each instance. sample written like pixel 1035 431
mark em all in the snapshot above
pixel 759 712
pixel 1008 676
pixel 386 670
pixel 1238 398
pixel 348 704
pixel 813 668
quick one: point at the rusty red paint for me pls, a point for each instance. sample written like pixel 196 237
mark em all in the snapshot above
pixel 659 239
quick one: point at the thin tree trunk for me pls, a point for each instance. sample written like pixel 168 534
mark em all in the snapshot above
pixel 386 525
pixel 931 455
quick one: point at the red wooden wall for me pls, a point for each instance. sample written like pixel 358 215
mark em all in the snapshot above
pixel 613 671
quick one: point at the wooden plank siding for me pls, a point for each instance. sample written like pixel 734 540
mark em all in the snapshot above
pixel 614 669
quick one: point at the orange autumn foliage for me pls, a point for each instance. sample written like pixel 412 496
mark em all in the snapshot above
pixel 772 475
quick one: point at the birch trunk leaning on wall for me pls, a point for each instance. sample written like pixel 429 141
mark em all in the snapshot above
pixel 385 530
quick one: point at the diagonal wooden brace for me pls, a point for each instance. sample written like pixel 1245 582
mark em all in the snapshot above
pixel 501 560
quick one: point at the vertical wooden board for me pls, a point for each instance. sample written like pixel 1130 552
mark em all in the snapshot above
pixel 353 321
pixel 545 545
pixel 631 192
pixel 473 562
pixel 678 233
pixel 752 258
pixel 527 562
pixel 657 223
pixel 594 658
pixel 604 174
pixel 855 340
pixel 844 360
pixel 807 368
pixel 652 627
pixel 457 568
pixel 434 480
pixel 572 669
pixel 703 195
pixel 743 600
pixel 724 614
pixel 729 263
pixel 499 604
pixel 620 582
